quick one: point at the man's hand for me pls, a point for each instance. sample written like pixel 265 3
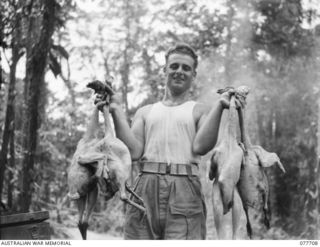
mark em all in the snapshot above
pixel 100 102
pixel 225 98
pixel 115 102
pixel 239 94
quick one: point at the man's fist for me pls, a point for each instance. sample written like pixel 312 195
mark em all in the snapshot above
pixel 239 93
pixel 100 102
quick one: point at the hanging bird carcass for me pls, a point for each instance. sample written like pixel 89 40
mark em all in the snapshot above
pixel 227 157
pixel 225 168
pixel 103 163
pixel 253 184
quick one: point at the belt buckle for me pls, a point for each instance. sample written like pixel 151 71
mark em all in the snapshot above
pixel 168 168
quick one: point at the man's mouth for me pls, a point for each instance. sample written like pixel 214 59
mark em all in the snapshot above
pixel 178 78
pixel 178 82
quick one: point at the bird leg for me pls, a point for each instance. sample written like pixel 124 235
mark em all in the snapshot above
pixel 83 229
pixel 125 199
pixel 81 202
pixel 134 204
pixel 249 228
pixel 134 193
pixel 90 202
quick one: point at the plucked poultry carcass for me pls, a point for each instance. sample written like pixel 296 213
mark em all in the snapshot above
pixel 225 169
pixel 253 184
pixel 227 157
pixel 103 163
pixel 227 225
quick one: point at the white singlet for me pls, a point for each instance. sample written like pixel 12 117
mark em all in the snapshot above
pixel 170 131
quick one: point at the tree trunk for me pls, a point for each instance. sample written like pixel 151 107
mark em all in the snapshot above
pixel 125 82
pixel 147 68
pixel 10 172
pixel 228 58
pixel 9 120
pixel 125 70
pixel 40 30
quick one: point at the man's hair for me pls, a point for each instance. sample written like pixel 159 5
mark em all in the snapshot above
pixel 184 49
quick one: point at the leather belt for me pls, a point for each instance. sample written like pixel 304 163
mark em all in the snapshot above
pixel 169 168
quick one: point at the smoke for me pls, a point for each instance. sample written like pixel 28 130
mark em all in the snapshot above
pixel 231 64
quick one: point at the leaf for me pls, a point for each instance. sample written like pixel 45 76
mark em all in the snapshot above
pixel 62 52
pixel 54 65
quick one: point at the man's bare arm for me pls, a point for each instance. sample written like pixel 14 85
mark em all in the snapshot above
pixel 133 137
pixel 208 127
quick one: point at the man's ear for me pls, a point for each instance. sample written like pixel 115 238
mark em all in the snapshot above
pixel 194 74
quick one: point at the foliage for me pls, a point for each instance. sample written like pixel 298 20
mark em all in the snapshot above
pixel 287 111
pixel 260 43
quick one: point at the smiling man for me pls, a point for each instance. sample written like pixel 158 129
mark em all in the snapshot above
pixel 166 139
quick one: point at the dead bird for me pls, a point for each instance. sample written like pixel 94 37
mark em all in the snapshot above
pixel 253 184
pixel 227 157
pixel 103 164
pixel 225 170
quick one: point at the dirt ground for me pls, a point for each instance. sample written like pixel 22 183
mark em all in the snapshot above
pixel 74 234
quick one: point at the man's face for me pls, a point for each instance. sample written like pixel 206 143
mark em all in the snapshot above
pixel 179 73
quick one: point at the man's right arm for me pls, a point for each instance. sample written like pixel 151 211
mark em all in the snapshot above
pixel 133 137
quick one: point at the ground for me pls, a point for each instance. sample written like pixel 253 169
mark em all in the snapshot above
pixel 74 234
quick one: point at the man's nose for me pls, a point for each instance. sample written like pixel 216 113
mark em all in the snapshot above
pixel 179 69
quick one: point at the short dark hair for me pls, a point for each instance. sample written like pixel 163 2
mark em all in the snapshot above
pixel 185 49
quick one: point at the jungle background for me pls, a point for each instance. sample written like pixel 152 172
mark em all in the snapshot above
pixel 50 50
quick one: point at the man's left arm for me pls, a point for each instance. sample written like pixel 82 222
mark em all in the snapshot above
pixel 208 126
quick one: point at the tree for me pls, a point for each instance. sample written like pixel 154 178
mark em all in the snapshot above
pixel 41 23
pixel 285 109
pixel 317 169
pixel 12 20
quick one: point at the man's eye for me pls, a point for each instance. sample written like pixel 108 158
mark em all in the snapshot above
pixel 174 66
pixel 186 67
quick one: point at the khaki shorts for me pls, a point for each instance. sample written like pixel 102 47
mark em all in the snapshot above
pixel 175 208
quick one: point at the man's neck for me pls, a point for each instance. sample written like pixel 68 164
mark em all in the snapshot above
pixel 173 100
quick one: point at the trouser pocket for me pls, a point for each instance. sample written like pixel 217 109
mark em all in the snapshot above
pixel 186 214
pixel 137 224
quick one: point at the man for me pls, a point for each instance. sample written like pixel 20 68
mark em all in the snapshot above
pixel 168 138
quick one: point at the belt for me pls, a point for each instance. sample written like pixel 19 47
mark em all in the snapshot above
pixel 169 168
